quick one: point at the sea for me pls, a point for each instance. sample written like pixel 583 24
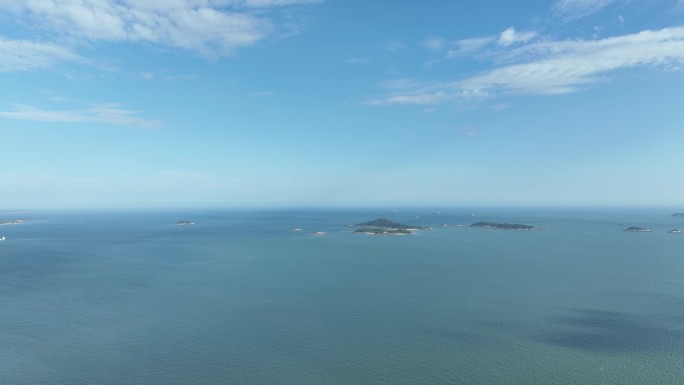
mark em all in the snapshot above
pixel 242 297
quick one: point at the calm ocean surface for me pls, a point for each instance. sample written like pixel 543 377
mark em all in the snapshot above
pixel 240 298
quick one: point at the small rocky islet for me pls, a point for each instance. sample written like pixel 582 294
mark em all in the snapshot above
pixel 637 229
pixel 676 231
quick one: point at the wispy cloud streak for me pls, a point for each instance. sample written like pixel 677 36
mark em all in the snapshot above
pixel 577 9
pixel 111 113
pixel 23 55
pixel 548 67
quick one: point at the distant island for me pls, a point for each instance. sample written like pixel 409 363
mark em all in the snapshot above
pixel 384 226
pixel 637 229
pixel 680 215
pixel 504 226
pixel 12 222
pixel 18 221
pixel 184 222
pixel 674 231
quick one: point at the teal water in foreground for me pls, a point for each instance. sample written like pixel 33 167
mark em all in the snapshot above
pixel 241 298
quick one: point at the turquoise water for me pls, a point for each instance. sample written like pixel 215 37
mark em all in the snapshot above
pixel 240 298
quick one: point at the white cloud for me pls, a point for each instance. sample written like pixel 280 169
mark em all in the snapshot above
pixel 577 9
pixel 210 27
pixel 403 83
pixel 569 64
pixel 98 113
pixel 510 36
pixel 506 38
pixel 431 63
pixel 435 44
pixel 418 98
pixel 549 67
pixel 23 55
pixel 395 45
pixel 467 46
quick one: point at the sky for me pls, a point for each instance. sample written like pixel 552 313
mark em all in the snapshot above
pixel 248 103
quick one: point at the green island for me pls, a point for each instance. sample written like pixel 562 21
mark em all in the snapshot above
pixel 384 226
pixel 503 226
pixel 637 229
pixel 680 215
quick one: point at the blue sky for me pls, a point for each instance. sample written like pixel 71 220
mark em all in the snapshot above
pixel 201 103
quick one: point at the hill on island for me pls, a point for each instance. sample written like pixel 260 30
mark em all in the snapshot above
pixel 503 226
pixel 681 215
pixel 387 224
pixel 384 226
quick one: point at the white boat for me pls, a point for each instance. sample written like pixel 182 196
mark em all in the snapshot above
pixel 2 238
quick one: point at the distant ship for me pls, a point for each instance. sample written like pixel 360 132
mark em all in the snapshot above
pixel 2 238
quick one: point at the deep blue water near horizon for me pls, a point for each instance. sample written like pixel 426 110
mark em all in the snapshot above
pixel 241 298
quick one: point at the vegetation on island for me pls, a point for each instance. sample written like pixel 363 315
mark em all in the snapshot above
pixel 637 229
pixel 503 226
pixel 384 226
pixel 381 231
